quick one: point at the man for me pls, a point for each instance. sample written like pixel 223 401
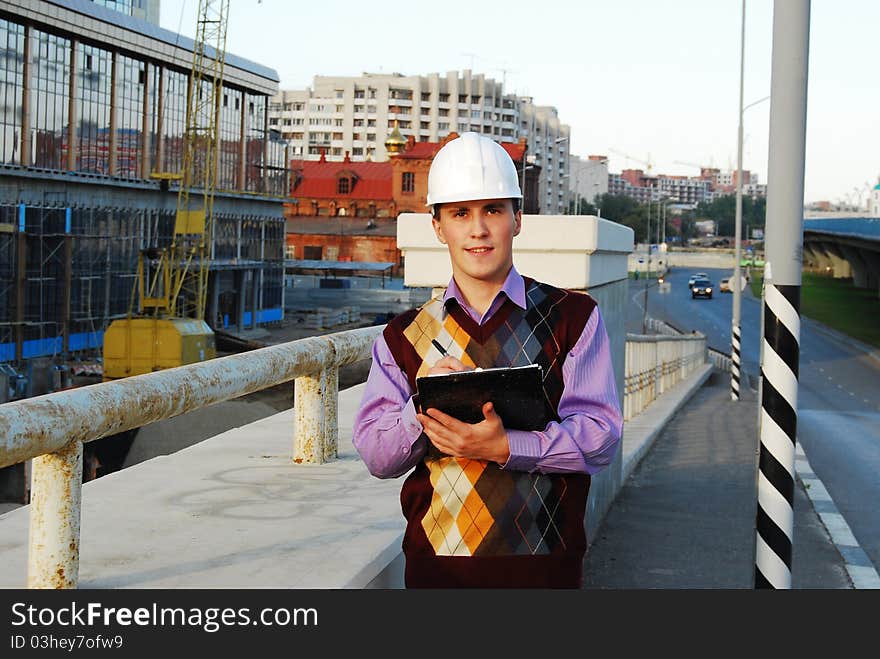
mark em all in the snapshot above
pixel 487 506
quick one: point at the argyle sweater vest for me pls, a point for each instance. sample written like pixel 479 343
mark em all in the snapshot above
pixel 470 523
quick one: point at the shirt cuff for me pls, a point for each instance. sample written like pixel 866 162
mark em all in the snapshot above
pixel 409 420
pixel 525 450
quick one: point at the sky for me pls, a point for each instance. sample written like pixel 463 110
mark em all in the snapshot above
pixel 639 81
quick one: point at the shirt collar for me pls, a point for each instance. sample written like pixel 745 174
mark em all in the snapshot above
pixel 514 288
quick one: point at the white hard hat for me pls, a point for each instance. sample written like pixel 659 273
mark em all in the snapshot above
pixel 472 167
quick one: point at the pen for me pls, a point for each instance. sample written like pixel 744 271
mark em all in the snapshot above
pixel 440 347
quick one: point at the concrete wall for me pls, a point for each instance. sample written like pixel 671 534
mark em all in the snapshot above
pixel 606 484
pixel 708 258
pixel 571 251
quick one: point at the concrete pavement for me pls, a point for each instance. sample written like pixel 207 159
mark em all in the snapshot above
pixel 685 517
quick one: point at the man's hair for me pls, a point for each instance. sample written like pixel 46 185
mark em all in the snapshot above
pixel 435 209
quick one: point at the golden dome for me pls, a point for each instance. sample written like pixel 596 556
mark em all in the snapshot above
pixel 396 142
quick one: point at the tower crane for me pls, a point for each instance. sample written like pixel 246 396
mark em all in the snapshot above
pixel 694 164
pixel 649 165
pixel 172 283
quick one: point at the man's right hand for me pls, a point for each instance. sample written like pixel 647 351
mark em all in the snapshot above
pixel 448 364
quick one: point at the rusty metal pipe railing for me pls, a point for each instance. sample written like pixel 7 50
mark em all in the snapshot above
pixel 53 427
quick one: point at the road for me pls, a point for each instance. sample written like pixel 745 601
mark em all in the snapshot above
pixel 838 392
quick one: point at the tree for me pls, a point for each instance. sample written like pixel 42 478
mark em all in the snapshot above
pixel 586 208
pixel 723 211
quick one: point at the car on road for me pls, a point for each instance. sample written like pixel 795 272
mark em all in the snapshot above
pixel 701 288
pixel 695 276
pixel 724 285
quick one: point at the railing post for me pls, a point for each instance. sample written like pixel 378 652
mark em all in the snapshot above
pixel 315 405
pixel 53 541
pixel 308 405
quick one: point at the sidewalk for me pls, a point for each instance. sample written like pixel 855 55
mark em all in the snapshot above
pixel 685 516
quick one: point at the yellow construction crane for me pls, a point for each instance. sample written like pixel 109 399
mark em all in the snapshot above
pixel 172 283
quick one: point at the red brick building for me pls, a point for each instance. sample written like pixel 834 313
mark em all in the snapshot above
pixel 347 211
pixel 344 188
pixel 411 164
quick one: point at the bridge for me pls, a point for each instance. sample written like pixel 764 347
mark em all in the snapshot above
pixel 846 247
pixel 286 501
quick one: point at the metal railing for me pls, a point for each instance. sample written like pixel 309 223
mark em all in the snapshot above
pixel 721 360
pixel 655 363
pixel 51 429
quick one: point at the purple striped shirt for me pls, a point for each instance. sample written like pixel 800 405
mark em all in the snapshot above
pixel 389 438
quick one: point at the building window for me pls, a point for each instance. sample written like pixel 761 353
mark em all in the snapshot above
pixel 312 252
pixel 408 183
pixel 343 185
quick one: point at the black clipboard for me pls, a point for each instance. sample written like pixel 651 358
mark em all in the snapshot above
pixel 517 393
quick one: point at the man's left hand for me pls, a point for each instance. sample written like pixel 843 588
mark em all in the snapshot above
pixel 486 440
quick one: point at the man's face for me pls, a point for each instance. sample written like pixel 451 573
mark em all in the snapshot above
pixel 479 235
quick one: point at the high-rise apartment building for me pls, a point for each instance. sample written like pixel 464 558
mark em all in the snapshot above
pixel 588 179
pixel 355 115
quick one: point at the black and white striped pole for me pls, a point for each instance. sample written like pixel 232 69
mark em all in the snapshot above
pixel 737 274
pixel 782 288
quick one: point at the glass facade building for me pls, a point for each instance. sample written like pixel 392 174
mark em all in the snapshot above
pixel 90 113
pixel 114 102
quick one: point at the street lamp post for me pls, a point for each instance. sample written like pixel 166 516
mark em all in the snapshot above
pixel 647 271
pixel 523 179
pixel 737 269
pixel 737 275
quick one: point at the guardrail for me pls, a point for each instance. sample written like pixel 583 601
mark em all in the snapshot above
pixel 654 364
pixel 51 429
pixel 720 360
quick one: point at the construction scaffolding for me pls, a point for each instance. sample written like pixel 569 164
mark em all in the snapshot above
pixel 65 273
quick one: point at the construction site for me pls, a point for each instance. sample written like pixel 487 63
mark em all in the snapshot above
pixel 141 222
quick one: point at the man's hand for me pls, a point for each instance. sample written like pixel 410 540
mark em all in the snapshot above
pixel 448 364
pixel 486 440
